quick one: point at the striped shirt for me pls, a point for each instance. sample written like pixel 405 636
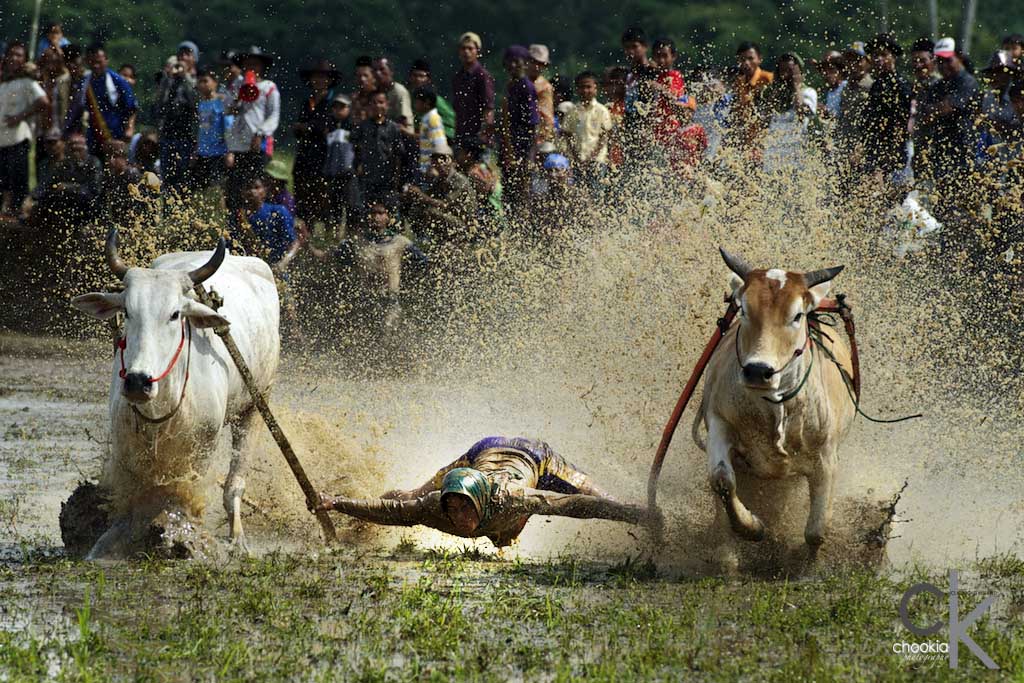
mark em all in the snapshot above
pixel 431 137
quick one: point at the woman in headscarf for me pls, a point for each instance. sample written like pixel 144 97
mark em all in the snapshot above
pixel 492 491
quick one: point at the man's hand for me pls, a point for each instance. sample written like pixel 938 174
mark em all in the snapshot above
pixel 326 503
pixel 255 143
pixel 229 159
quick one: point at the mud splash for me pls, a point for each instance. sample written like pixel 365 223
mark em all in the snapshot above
pixel 586 338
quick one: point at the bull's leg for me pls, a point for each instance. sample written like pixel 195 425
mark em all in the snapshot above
pixel 723 482
pixel 821 483
pixel 234 483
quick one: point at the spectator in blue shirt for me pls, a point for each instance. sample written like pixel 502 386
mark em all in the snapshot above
pixel 54 36
pixel 109 101
pixel 265 230
pixel 213 122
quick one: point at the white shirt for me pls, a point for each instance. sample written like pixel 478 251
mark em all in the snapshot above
pixel 254 118
pixel 787 133
pixel 587 123
pixel 16 96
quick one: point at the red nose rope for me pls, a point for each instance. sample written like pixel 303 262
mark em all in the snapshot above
pixel 122 343
pixel 837 305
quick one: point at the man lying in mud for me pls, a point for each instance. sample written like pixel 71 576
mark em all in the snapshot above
pixel 492 491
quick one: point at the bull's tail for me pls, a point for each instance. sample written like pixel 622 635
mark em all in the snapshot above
pixel 695 431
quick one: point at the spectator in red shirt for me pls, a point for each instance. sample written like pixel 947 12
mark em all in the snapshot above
pixel 684 142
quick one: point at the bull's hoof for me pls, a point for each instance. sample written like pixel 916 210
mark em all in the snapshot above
pixel 814 540
pixel 754 531
pixel 83 519
pixel 723 485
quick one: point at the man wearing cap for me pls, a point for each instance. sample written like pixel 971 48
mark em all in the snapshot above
pixel 1000 121
pixel 472 92
pixel 257 114
pixel 491 491
pixel 535 66
pixel 888 110
pixel 315 120
pixel 446 209
pixel 950 107
pixel 188 56
pixel 419 76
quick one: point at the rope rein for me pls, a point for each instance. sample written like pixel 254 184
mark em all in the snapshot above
pixel 122 343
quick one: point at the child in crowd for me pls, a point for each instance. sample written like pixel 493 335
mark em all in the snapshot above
pixel 588 127
pixel 213 124
pixel 614 87
pixel 431 127
pixel 120 201
pixel 683 141
pixel 264 229
pixel 277 177
pixel 343 190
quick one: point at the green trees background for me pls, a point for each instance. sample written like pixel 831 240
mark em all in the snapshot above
pixel 580 33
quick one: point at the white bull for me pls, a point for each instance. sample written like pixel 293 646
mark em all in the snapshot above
pixel 775 405
pixel 174 386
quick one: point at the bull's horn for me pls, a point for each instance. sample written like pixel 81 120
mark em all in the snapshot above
pixel 113 260
pixel 735 263
pixel 816 277
pixel 210 267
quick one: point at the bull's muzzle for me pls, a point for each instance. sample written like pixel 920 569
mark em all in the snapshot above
pixel 138 387
pixel 758 374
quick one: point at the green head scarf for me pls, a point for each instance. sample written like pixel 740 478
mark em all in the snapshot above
pixel 471 483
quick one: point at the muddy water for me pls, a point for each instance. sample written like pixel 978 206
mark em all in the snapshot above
pixel 588 350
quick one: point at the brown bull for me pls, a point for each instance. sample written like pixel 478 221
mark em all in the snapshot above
pixel 775 405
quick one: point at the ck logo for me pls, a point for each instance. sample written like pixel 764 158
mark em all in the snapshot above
pixel 957 627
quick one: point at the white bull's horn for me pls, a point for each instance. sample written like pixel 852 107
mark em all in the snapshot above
pixel 210 267
pixel 735 263
pixel 816 277
pixel 113 260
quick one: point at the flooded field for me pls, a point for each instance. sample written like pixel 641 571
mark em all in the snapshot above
pixel 588 351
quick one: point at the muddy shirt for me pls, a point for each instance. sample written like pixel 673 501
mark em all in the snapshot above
pixel 527 478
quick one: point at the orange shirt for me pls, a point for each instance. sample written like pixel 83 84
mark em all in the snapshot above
pixel 745 118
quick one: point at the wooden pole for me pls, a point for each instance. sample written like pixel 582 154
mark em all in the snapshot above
pixel 212 299
pixel 31 56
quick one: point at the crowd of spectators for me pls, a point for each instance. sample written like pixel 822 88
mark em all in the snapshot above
pixel 471 162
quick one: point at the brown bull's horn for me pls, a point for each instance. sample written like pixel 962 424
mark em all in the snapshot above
pixel 735 263
pixel 113 260
pixel 210 267
pixel 816 277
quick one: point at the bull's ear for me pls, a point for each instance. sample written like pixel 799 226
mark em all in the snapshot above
pixel 100 305
pixel 201 315
pixel 735 282
pixel 819 292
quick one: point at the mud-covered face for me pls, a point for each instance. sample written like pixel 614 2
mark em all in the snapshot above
pixel 461 512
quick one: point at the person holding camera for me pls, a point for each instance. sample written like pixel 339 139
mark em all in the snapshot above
pixel 178 114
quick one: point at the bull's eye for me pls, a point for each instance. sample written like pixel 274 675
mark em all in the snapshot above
pixel 798 317
pixel 175 315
